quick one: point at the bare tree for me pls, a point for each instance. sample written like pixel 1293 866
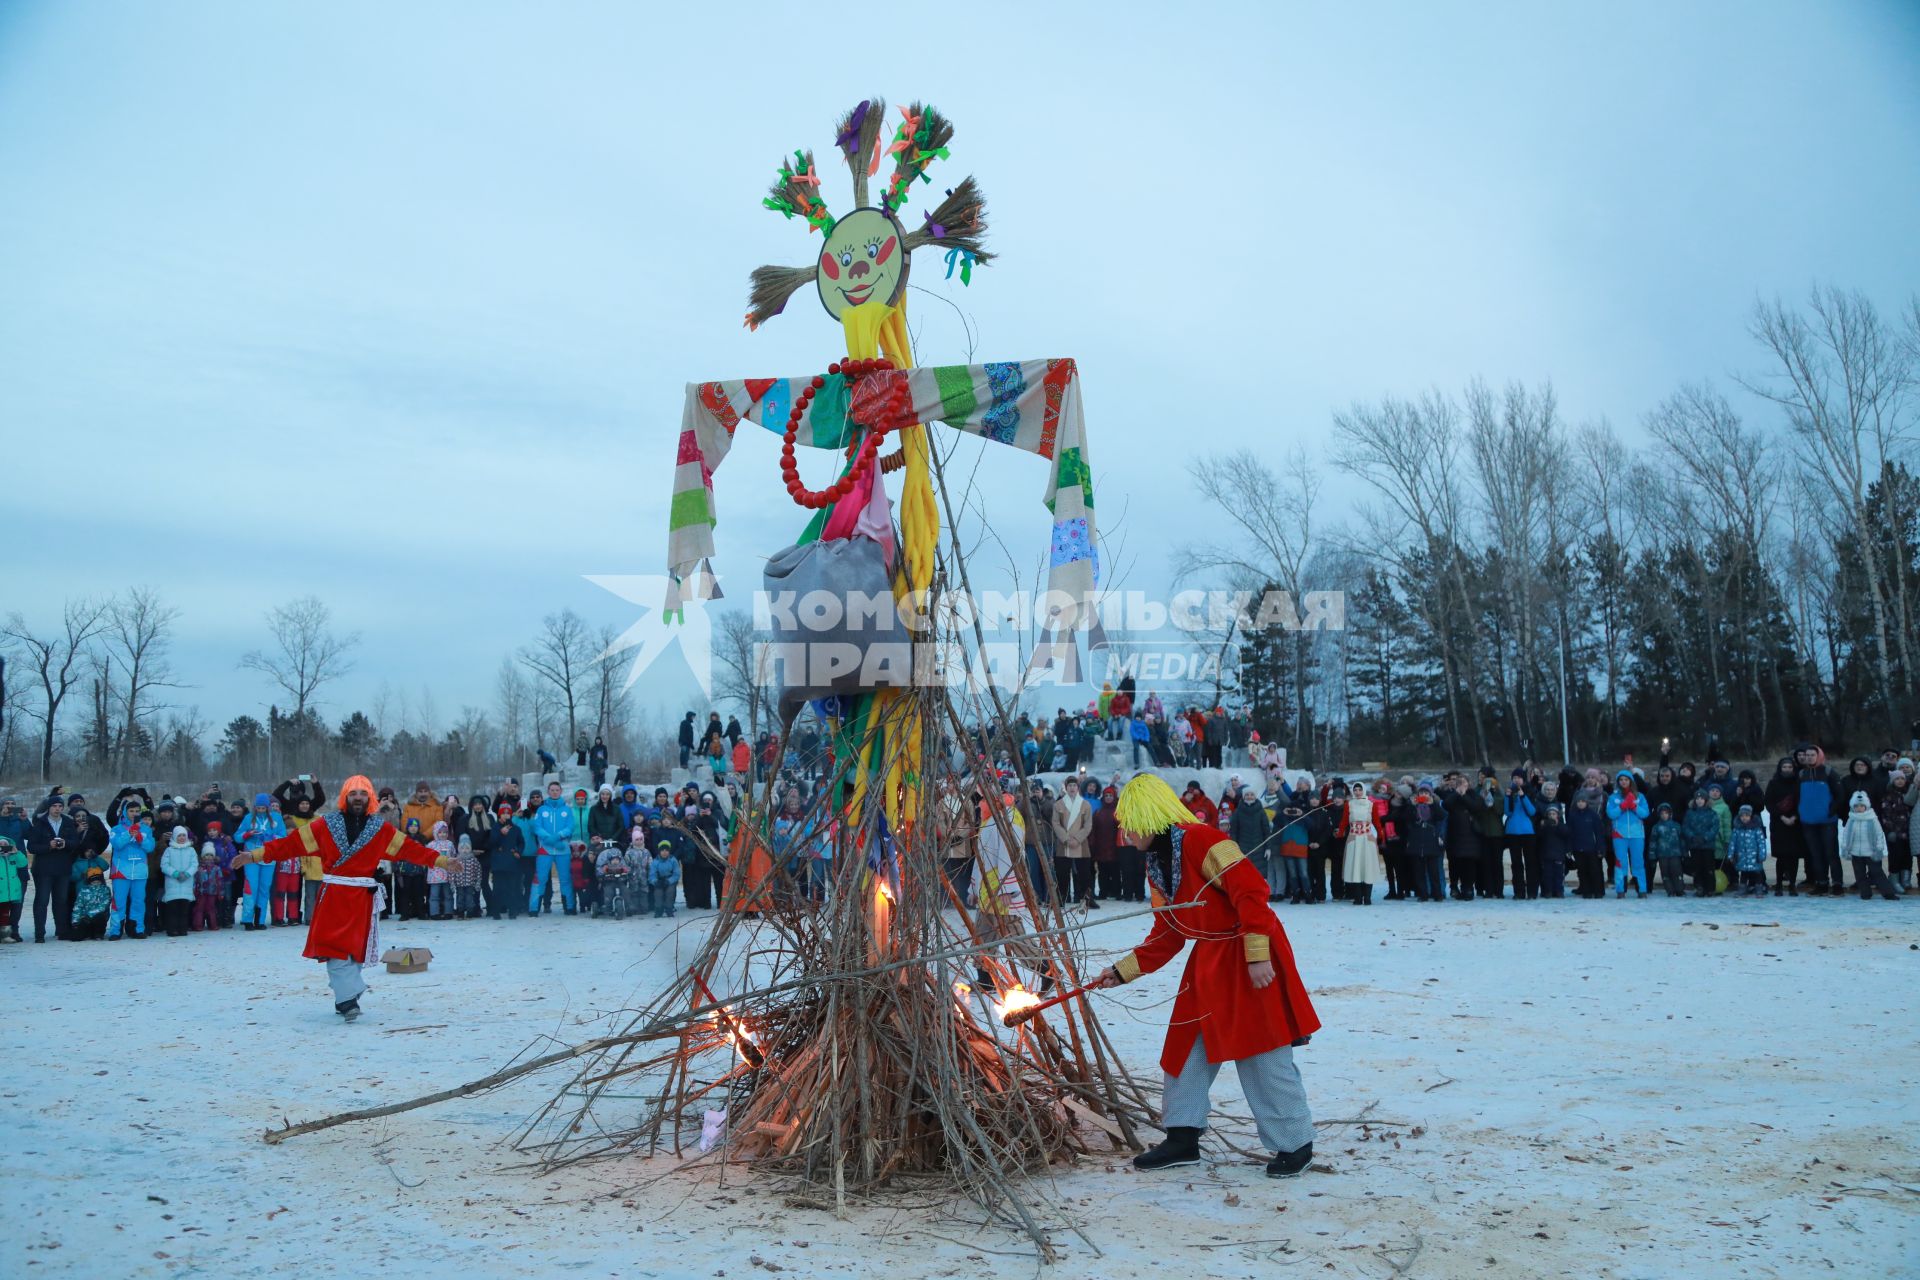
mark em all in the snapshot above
pixel 563 657
pixel 1409 452
pixel 55 660
pixel 1273 515
pixel 1846 385
pixel 1729 477
pixel 1609 485
pixel 138 633
pixel 1514 441
pixel 743 675
pixel 513 701
pixel 13 686
pixel 307 655
pixel 380 710
pixel 181 742
pixel 610 692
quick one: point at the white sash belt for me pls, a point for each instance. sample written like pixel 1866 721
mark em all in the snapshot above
pixel 372 955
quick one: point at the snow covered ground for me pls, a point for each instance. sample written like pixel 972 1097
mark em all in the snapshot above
pixel 1550 1089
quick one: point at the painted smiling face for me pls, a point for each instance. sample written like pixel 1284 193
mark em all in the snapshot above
pixel 865 260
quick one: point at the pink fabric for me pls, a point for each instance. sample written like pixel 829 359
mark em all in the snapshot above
pixel 865 512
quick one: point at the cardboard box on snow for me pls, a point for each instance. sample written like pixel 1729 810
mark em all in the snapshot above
pixel 406 959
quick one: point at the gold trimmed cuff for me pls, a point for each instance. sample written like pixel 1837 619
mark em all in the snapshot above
pixel 1258 947
pixel 1223 855
pixel 1128 967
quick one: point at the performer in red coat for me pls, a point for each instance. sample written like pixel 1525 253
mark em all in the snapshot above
pixel 351 843
pixel 1241 999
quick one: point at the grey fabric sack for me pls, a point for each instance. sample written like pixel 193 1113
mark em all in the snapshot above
pixel 832 624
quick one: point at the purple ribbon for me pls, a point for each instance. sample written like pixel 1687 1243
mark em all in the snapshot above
pixel 934 229
pixel 851 134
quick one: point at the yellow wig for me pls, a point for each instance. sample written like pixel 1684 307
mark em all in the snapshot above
pixel 1148 806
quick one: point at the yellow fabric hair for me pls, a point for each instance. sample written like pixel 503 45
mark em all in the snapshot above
pixel 1148 806
pixel 873 330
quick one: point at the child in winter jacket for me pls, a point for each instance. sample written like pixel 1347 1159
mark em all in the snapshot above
pixel 1864 841
pixel 586 891
pixel 663 879
pixel 465 878
pixel 225 850
pixel 1667 847
pixel 209 890
pixel 92 899
pixel 13 870
pixel 287 889
pixel 177 867
pixel 1296 842
pixel 611 871
pixel 1700 831
pixel 440 881
pixel 1723 814
pixel 1586 829
pixel 1556 843
pixel 1748 848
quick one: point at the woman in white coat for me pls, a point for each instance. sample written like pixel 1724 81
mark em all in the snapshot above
pixel 1362 866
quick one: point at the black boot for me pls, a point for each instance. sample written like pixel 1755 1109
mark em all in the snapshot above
pixel 1182 1146
pixel 1290 1164
pixel 350 1010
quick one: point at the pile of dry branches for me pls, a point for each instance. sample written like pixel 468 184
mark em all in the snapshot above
pixel 844 1037
pixel 848 1040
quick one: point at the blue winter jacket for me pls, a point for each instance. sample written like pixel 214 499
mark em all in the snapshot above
pixel 1585 834
pixel 553 826
pixel 1816 800
pixel 1520 811
pixel 256 829
pixel 130 851
pixel 1628 824
pixel 1749 847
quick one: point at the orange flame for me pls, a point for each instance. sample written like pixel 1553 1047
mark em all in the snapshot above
pixel 1012 1000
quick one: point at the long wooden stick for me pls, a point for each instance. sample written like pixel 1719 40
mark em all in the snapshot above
pixel 277 1136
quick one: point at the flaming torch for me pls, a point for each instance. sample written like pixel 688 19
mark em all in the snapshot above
pixel 1021 1007
pixel 1015 1004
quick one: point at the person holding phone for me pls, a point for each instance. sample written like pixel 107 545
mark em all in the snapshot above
pixel 52 848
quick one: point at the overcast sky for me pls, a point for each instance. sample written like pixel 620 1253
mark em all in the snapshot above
pixel 395 303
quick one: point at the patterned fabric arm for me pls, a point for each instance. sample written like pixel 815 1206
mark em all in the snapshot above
pixel 1033 405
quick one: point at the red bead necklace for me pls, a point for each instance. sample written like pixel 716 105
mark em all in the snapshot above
pixel 863 454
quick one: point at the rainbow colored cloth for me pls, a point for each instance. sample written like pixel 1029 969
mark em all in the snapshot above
pixel 1030 404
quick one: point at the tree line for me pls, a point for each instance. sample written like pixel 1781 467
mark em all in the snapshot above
pixel 1521 585
pixel 94 693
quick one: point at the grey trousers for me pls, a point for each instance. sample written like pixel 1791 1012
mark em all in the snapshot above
pixel 344 977
pixel 1271 1082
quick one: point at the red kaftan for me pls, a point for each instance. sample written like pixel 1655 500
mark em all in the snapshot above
pixel 344 913
pixel 1231 928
